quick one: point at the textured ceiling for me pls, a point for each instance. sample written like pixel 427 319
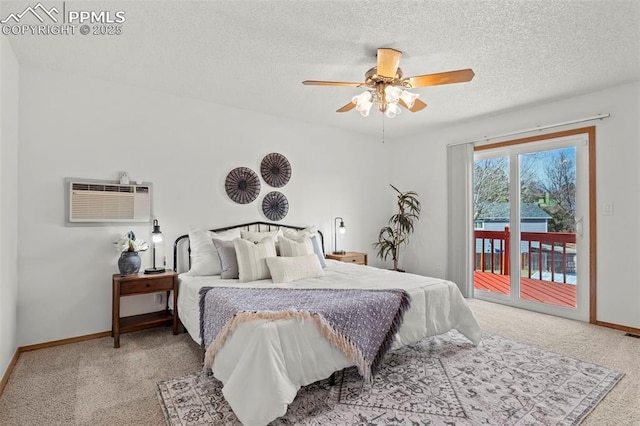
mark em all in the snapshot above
pixel 254 55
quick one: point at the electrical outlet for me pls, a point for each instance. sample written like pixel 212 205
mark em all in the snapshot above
pixel 158 298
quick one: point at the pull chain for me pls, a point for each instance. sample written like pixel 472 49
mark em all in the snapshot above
pixel 383 128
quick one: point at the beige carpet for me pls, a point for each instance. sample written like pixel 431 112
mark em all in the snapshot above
pixel 91 383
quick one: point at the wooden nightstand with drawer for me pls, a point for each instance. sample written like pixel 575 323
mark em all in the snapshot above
pixel 350 257
pixel 128 285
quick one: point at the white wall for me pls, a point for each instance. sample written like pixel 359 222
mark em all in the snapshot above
pixel 420 164
pixel 79 127
pixel 8 203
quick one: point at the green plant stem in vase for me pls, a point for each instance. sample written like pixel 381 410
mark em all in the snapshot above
pixel 400 227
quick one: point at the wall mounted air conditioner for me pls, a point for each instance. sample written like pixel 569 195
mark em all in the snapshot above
pixel 97 202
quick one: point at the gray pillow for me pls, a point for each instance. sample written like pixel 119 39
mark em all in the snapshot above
pixel 315 240
pixel 228 259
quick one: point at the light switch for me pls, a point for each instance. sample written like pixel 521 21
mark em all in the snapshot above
pixel 607 209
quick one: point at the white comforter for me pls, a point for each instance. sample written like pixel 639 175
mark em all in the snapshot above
pixel 264 363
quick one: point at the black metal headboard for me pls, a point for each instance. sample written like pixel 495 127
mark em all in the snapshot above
pixel 253 226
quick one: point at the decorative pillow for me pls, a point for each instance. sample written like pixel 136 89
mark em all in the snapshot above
pixel 251 258
pixel 294 233
pixel 301 246
pixel 204 256
pixel 255 237
pixel 311 232
pixel 287 269
pixel 228 258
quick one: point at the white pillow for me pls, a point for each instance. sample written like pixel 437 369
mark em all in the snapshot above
pixel 287 269
pixel 311 232
pixel 301 246
pixel 204 256
pixel 294 233
pixel 255 237
pixel 251 258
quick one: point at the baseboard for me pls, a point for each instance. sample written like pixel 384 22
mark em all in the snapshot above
pixel 64 341
pixel 7 373
pixel 624 328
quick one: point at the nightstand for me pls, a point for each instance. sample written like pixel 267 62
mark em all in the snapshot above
pixel 128 285
pixel 350 257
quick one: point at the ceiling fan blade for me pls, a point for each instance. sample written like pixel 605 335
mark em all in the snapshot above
pixel 330 83
pixel 347 107
pixel 388 61
pixel 459 76
pixel 418 105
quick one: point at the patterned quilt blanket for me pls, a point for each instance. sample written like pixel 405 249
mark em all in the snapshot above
pixel 360 323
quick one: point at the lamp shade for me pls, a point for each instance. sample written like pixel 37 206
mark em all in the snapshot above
pixel 392 94
pixel 409 98
pixel 362 98
pixel 392 110
pixel 156 235
pixel 338 229
pixel 363 103
pixel 157 250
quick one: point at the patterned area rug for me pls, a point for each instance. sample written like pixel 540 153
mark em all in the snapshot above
pixel 442 380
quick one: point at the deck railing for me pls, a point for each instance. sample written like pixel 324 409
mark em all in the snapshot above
pixel 540 252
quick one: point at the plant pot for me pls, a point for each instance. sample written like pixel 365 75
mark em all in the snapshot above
pixel 129 263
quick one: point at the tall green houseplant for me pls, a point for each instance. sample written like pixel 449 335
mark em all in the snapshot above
pixel 392 237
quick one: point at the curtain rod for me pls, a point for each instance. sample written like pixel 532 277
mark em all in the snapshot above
pixel 534 129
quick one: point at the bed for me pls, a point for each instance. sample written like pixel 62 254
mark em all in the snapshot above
pixel 263 363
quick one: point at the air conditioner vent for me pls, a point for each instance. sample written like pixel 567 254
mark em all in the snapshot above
pixel 95 202
pixel 80 186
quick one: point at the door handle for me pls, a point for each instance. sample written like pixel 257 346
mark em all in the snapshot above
pixel 579 226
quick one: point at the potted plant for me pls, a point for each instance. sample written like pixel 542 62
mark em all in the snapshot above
pixel 129 246
pixel 392 237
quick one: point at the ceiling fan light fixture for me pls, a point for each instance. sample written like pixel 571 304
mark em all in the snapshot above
pixel 392 110
pixel 364 110
pixel 409 98
pixel 392 94
pixel 363 103
pixel 385 84
pixel 362 97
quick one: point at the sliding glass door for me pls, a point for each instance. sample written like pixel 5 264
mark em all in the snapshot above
pixel 531 230
pixel 491 216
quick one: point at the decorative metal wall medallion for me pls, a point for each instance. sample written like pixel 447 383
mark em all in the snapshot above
pixel 275 170
pixel 275 205
pixel 242 185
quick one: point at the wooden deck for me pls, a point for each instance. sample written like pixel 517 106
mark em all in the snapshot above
pixel 540 291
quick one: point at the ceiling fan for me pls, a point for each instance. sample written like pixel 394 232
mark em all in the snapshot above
pixel 386 86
